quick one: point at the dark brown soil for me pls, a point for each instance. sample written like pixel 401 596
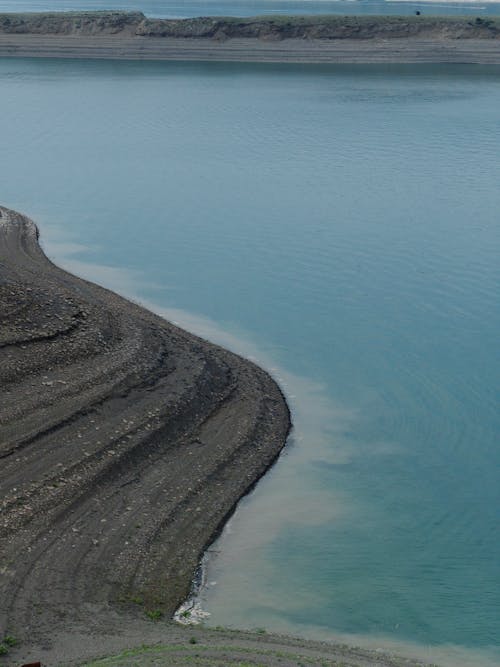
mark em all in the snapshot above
pixel 125 443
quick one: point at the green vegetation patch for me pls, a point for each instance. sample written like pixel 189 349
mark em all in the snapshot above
pixel 6 644
pixel 193 653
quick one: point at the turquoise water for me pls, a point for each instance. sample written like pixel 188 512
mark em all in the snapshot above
pixel 340 224
pixel 185 8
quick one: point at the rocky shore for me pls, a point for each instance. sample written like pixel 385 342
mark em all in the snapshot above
pixel 314 39
pixel 125 443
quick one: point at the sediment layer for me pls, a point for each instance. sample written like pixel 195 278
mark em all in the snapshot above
pixel 315 39
pixel 125 443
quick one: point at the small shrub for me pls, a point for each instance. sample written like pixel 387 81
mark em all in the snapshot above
pixel 193 640
pixel 137 599
pixel 487 23
pixel 3 649
pixel 8 640
pixel 155 614
pixel 186 614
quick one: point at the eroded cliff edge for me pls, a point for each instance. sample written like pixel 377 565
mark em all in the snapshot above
pixel 125 443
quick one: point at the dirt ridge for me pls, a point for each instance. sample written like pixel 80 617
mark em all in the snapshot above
pixel 326 27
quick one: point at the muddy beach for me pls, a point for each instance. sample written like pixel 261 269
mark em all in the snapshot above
pixel 125 443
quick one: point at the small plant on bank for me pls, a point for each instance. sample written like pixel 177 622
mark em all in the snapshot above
pixel 186 614
pixel 487 23
pixel 137 600
pixel 7 643
pixel 193 640
pixel 155 614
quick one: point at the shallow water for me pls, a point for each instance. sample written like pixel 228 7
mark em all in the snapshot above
pixel 340 225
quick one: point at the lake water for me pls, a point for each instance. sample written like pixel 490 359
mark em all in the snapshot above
pixel 340 224
pixel 189 8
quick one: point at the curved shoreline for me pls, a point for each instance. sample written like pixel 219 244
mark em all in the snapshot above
pixel 125 442
pixel 280 39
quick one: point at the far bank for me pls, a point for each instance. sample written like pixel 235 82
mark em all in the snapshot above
pixel 288 39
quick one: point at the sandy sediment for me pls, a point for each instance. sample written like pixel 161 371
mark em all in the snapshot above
pixel 294 39
pixel 125 442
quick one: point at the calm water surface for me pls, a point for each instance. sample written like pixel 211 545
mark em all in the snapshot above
pixel 185 8
pixel 341 226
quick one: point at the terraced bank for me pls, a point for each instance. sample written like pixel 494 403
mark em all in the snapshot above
pixel 125 442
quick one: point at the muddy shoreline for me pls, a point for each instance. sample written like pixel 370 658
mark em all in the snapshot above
pixel 397 51
pixel 125 443
pixel 293 39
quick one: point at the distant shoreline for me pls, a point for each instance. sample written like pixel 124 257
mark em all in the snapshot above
pixel 283 39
